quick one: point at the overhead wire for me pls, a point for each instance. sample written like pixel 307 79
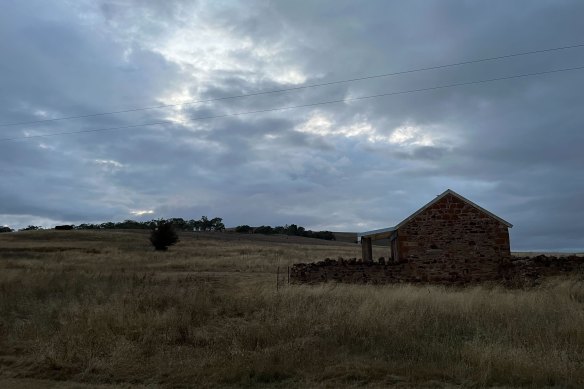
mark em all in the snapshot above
pixel 346 100
pixel 468 62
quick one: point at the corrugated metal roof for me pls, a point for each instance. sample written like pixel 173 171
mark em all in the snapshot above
pixel 377 234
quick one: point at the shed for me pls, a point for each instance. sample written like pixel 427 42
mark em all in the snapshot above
pixel 449 234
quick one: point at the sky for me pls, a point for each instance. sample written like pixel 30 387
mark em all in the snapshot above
pixel 512 146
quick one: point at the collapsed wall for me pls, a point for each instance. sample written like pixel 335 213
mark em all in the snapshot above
pixel 518 270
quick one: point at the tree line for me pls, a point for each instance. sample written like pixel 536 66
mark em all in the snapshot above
pixel 203 224
pixel 291 229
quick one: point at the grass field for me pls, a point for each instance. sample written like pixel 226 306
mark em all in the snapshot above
pixel 83 309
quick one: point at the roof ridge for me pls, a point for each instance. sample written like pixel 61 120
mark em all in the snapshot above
pixel 440 197
pixel 386 231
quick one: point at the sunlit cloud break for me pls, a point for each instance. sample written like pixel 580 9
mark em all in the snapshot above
pixel 142 212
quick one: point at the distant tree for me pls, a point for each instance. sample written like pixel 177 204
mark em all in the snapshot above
pixel 31 228
pixel 150 225
pixel 327 235
pixel 163 235
pixel 192 225
pixel 217 224
pixel 291 229
pixel 129 225
pixel 5 229
pixel 197 225
pixel 264 230
pixel 244 229
pixel 86 226
pixel 205 223
pixel 65 227
pixel 179 223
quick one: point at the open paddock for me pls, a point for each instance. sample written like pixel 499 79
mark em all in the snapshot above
pixel 101 308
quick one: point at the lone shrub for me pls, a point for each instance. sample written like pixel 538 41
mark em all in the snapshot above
pixel 163 235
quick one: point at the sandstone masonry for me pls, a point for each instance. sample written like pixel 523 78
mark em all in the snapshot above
pixel 518 271
pixel 450 238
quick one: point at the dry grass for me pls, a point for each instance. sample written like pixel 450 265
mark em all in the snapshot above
pixel 102 308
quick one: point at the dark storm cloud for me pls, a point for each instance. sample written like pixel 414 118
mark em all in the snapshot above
pixel 512 146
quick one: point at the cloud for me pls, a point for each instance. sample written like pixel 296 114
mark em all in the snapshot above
pixel 142 212
pixel 512 146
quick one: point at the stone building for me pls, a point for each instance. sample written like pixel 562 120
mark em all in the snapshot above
pixel 450 235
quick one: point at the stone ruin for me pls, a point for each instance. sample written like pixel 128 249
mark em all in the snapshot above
pixel 517 271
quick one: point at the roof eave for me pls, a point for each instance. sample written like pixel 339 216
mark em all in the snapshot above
pixel 381 233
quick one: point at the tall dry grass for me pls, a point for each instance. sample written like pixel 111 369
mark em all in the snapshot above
pixel 124 316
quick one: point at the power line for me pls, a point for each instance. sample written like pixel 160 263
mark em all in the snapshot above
pixel 299 87
pixel 299 106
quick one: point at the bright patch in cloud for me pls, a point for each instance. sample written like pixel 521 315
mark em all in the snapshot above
pixel 320 124
pixel 290 76
pixel 410 135
pixel 108 163
pixel 407 135
pixel 42 114
pixel 45 146
pixel 142 212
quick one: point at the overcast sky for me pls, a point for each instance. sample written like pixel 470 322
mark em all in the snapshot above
pixel 513 146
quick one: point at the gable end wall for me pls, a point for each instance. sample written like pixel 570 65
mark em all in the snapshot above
pixel 453 238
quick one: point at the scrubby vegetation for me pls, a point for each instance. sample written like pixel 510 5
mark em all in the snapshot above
pixel 101 307
pixel 163 235
pixel 203 224
pixel 31 228
pixel 180 224
pixel 291 229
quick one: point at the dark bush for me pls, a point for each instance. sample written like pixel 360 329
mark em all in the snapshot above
pixel 291 229
pixel 5 229
pixel 31 228
pixel 279 230
pixel 86 226
pixel 65 227
pixel 130 225
pixel 326 235
pixel 163 235
pixel 264 230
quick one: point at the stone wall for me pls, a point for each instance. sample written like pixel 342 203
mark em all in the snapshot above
pixel 453 239
pixel 516 272
pixel 381 272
